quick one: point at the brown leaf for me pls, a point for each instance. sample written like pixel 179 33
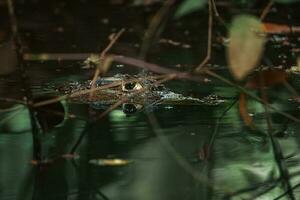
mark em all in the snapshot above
pixel 246 45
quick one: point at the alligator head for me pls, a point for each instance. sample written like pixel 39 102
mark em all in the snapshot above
pixel 134 91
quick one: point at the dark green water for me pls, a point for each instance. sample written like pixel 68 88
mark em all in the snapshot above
pixel 166 145
pixel 168 160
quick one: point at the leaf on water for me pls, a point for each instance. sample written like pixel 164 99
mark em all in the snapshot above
pixel 189 6
pixel 244 111
pixel 245 46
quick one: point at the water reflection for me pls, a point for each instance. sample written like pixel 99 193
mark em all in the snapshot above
pixel 239 165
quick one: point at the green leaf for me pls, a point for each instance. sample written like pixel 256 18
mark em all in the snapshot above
pixel 189 6
pixel 246 45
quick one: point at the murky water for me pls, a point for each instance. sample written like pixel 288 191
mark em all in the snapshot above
pixel 166 149
pixel 159 152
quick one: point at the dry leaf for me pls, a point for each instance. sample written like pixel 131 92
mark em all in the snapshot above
pixel 245 46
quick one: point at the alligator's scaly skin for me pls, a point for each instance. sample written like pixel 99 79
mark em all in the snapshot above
pixel 133 89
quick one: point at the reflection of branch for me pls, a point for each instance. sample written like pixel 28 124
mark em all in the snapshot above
pixel 85 182
pixel 217 125
pixel 284 174
pixel 209 37
pixel 286 192
pixel 262 187
pixel 178 158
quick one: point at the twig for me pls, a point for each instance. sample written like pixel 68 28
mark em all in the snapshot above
pixel 115 105
pixel 75 94
pixel 209 72
pixel 262 187
pixel 102 56
pixel 266 10
pixel 286 192
pixel 154 26
pixel 11 100
pixel 179 158
pixel 28 95
pixel 216 128
pixel 11 116
pixel 217 15
pixel 290 88
pixel 55 56
pixel 83 92
pixel 156 68
pixel 209 38
pixel 126 98
pixel 197 78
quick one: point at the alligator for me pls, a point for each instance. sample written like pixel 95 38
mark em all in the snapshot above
pixel 135 91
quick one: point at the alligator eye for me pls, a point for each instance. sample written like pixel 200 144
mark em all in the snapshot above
pixel 131 86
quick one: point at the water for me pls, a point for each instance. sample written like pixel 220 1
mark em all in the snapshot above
pixel 168 159
pixel 163 152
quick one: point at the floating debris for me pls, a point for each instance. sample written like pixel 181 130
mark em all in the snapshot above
pixel 175 43
pixel 41 162
pixel 110 162
pixel 70 156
